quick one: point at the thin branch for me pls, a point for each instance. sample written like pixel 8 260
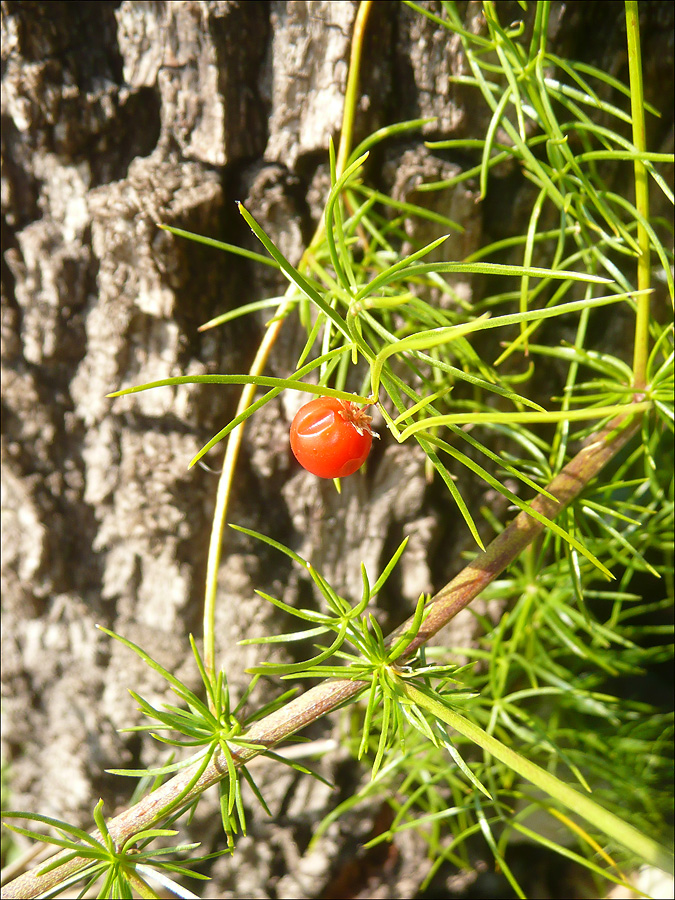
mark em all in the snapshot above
pixel 641 347
pixel 264 350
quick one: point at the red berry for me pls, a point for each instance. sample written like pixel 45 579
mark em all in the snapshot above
pixel 331 438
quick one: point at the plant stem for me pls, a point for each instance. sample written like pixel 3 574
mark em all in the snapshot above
pixel 508 545
pixel 610 824
pixel 329 695
pixel 641 345
pixel 234 442
pixel 352 89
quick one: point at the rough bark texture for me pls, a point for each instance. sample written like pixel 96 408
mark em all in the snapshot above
pixel 118 116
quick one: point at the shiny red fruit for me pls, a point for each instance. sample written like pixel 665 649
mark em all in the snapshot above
pixel 331 438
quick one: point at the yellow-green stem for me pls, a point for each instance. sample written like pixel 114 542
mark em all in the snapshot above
pixel 641 346
pixel 247 395
pixel 622 832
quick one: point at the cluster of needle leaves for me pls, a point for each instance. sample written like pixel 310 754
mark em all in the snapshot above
pixel 388 329
pixel 377 662
pixel 119 870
